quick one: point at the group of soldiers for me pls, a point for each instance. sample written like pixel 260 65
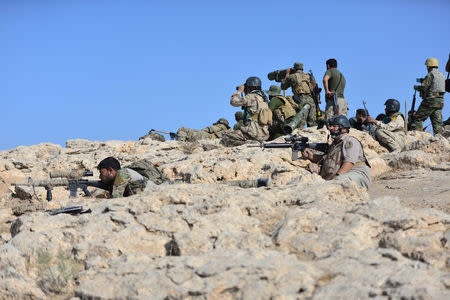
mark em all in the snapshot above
pixel 265 118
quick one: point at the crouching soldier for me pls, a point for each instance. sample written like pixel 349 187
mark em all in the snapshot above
pixel 391 131
pixel 345 158
pixel 257 115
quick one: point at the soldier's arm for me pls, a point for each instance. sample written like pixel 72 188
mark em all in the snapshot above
pixel 275 103
pixel 396 124
pixel 345 168
pixel 326 77
pixel 288 82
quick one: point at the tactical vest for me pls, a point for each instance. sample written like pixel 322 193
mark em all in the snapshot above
pixel 286 110
pixel 332 161
pixel 438 84
pixel 303 85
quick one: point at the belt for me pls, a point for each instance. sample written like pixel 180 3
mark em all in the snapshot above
pixel 360 163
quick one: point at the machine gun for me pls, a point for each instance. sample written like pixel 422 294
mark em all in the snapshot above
pixel 315 93
pixel 296 144
pixel 74 180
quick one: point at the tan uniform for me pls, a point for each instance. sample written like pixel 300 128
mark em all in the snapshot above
pixel 346 149
pixel 254 103
pixel 391 133
pixel 128 182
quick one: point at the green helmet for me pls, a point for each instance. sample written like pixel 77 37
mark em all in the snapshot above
pixel 222 121
pixel 392 105
pixel 298 66
pixel 253 82
pixel 239 115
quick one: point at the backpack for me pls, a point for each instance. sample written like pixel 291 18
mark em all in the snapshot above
pixel 148 170
pixel 265 116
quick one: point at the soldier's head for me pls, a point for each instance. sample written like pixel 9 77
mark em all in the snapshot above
pixel 392 106
pixel 108 169
pixel 222 121
pixel 361 115
pixel 252 83
pixel 331 63
pixel 298 66
pixel 431 63
pixel 338 126
pixel 274 90
pixel 239 116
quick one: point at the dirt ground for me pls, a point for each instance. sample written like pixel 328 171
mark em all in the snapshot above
pixel 416 189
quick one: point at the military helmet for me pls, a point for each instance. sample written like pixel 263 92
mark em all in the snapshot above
pixel 253 82
pixel 298 66
pixel 239 115
pixel 274 90
pixel 222 121
pixel 392 105
pixel 340 120
pixel 431 62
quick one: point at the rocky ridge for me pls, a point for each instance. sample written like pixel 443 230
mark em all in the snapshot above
pixel 200 238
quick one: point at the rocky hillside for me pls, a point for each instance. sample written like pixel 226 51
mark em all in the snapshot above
pixel 200 238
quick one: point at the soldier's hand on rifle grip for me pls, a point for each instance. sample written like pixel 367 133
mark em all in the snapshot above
pixel 308 154
pixel 329 93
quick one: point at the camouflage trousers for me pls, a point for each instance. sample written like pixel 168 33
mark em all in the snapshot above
pixel 311 116
pixel 235 138
pixel 192 135
pixel 242 183
pixel 432 108
pixel 391 140
pixel 329 108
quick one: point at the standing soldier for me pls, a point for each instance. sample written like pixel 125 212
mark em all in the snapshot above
pixel 334 84
pixel 432 92
pixel 302 86
pixel 257 115
pixel 391 131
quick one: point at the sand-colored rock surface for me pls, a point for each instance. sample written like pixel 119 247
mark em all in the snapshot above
pixel 198 238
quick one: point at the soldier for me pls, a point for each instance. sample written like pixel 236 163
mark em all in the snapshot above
pixel 283 111
pixel 345 158
pixel 391 131
pixel 256 114
pixel 239 117
pixel 302 86
pixel 122 182
pixel 360 122
pixel 211 132
pixel 334 83
pixel 432 92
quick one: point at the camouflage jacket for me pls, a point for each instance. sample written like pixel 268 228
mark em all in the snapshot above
pixel 300 82
pixel 433 86
pixel 394 123
pixel 217 130
pixel 254 103
pixel 128 182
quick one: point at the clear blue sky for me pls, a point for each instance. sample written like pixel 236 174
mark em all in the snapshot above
pixel 104 70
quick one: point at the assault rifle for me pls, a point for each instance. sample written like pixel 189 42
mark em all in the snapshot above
pixel 72 210
pixel 316 95
pixel 296 144
pixel 412 111
pixel 73 180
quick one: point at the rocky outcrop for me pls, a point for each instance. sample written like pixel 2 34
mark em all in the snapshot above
pixel 199 238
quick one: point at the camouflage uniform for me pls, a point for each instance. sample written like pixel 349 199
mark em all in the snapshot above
pixel 154 136
pixel 283 111
pixel 432 92
pixel 239 117
pixel 128 182
pixel 300 83
pixel 211 132
pixel 346 149
pixel 253 130
pixel 391 132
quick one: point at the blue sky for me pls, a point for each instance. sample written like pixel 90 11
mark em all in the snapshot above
pixel 112 70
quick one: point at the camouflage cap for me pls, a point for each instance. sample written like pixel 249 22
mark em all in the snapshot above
pixel 298 66
pixel 222 121
pixel 274 90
